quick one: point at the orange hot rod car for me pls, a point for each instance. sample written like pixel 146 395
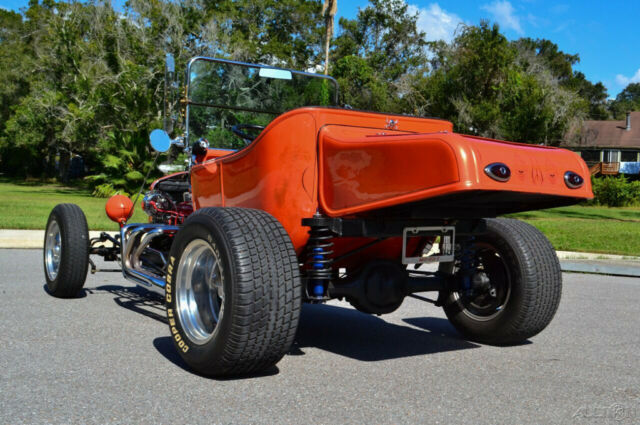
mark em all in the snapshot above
pixel 288 198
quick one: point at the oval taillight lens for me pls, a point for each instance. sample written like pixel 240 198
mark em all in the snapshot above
pixel 573 180
pixel 498 171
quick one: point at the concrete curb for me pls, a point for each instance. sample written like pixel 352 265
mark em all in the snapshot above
pixel 615 268
pixel 583 262
pixel 29 239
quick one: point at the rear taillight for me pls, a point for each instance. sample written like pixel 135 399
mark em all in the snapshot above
pixel 573 180
pixel 498 171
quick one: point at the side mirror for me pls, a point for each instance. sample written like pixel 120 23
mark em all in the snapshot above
pixel 160 140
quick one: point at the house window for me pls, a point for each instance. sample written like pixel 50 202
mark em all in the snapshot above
pixel 609 155
pixel 590 155
pixel 629 156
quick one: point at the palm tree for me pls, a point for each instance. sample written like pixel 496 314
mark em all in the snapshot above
pixel 329 9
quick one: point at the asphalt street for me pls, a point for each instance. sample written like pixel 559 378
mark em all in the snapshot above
pixel 107 358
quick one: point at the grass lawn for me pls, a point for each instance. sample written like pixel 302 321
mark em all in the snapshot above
pixel 589 229
pixel 27 205
pixel 577 228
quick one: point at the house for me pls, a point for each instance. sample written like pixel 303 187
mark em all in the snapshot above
pixel 609 147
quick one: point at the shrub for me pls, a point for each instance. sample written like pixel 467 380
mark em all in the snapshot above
pixel 616 191
pixel 106 190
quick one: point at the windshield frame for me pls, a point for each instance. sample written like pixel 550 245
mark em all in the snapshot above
pixel 188 102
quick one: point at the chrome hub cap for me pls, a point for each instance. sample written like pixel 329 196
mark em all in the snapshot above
pixel 52 250
pixel 199 291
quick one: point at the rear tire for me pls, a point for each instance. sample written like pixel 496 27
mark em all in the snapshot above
pixel 524 269
pixel 233 291
pixel 66 251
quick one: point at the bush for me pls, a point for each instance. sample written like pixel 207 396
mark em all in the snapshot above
pixel 616 191
pixel 106 190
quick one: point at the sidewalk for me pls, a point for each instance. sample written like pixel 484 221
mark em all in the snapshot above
pixel 28 239
pixel 584 262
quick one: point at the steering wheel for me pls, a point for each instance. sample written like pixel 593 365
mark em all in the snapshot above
pixel 237 130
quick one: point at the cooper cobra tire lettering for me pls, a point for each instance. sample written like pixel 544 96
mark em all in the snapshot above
pixel 259 273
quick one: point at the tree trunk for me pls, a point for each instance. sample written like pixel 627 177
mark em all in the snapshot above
pixel 65 159
pixel 329 9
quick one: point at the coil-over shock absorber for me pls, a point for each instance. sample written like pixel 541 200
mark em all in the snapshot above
pixel 467 263
pixel 318 260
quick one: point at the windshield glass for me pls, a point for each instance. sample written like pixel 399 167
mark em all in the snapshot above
pixel 222 94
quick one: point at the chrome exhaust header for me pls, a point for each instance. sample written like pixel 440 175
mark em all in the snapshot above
pixel 135 238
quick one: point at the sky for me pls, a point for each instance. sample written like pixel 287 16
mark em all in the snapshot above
pixel 606 34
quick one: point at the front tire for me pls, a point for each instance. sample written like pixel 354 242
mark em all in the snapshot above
pixel 523 285
pixel 66 251
pixel 233 291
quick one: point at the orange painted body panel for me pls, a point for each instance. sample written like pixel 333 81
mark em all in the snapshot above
pixel 343 163
pixel 365 173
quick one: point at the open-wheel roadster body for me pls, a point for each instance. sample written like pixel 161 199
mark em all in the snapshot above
pixel 288 198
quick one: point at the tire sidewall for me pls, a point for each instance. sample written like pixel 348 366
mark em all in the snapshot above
pixel 66 236
pixel 200 226
pixel 52 284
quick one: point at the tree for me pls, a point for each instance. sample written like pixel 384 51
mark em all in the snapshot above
pixel 627 100
pixel 487 86
pixel 329 9
pixel 375 52
pixel 545 55
pixel 86 80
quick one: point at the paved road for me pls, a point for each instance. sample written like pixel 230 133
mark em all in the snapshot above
pixel 107 358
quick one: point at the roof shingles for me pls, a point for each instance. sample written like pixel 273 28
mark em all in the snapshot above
pixel 610 134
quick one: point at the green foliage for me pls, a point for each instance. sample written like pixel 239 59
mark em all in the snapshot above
pixel 616 191
pixel 494 88
pixel 80 78
pixel 124 160
pixel 84 79
pixel 627 100
pixel 106 190
pixel 376 52
pixel 361 87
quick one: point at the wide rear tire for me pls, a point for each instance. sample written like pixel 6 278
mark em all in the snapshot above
pixel 66 251
pixel 233 291
pixel 525 274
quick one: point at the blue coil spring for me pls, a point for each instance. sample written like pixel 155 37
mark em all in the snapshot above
pixel 467 263
pixel 318 262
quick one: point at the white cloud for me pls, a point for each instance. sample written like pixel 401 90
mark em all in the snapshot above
pixel 504 14
pixel 438 24
pixel 625 81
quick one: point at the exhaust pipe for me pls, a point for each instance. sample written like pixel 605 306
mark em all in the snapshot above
pixel 135 239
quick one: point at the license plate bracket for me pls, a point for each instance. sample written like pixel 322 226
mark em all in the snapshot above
pixel 446 246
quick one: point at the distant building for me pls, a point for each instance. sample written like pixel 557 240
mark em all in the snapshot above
pixel 609 147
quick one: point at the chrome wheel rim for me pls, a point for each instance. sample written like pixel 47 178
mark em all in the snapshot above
pixel 52 250
pixel 199 291
pixel 484 307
